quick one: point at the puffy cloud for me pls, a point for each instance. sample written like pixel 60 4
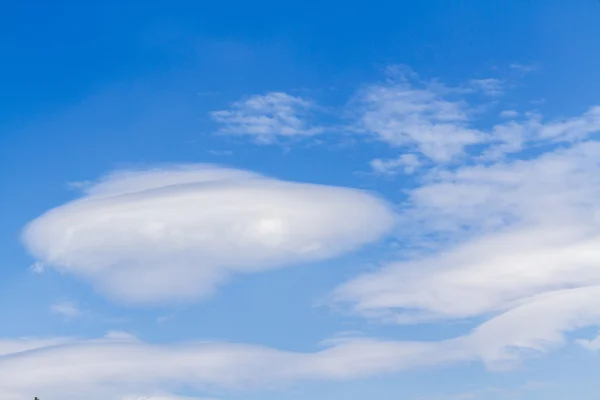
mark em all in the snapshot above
pixel 176 233
pixel 267 117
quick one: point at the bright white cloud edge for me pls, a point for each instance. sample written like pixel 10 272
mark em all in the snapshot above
pixel 176 233
pixel 519 246
pixel 521 228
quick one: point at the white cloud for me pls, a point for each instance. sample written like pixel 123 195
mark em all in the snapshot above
pixel 14 346
pixel 538 323
pixel 177 233
pixel 267 117
pixel 408 163
pixel 113 368
pixel 424 119
pixel 443 124
pixel 522 249
pixel 532 226
pixel 515 136
pixel 66 309
pixel 592 345
pixel 570 129
pixel 37 267
pixel 116 366
pixel 428 119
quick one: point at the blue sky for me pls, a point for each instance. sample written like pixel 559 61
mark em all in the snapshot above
pixel 286 201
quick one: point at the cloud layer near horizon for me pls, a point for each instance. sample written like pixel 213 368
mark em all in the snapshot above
pixel 115 367
pixel 176 233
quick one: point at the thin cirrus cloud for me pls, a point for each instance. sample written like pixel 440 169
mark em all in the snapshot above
pixel 400 112
pixel 66 309
pixel 425 121
pixel 420 119
pixel 592 345
pixel 265 118
pixel 489 86
pixel 442 124
pixel 176 233
pixel 530 226
pixel 512 237
pixel 407 163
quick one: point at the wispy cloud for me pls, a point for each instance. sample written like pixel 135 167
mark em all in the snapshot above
pixel 37 267
pixel 515 136
pixel 407 163
pixel 425 118
pixel 524 250
pixel 593 345
pixel 433 121
pixel 512 235
pixel 446 126
pixel 268 117
pixel 66 309
pixel 489 86
pixel 524 68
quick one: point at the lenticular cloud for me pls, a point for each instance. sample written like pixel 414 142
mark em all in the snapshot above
pixel 176 233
